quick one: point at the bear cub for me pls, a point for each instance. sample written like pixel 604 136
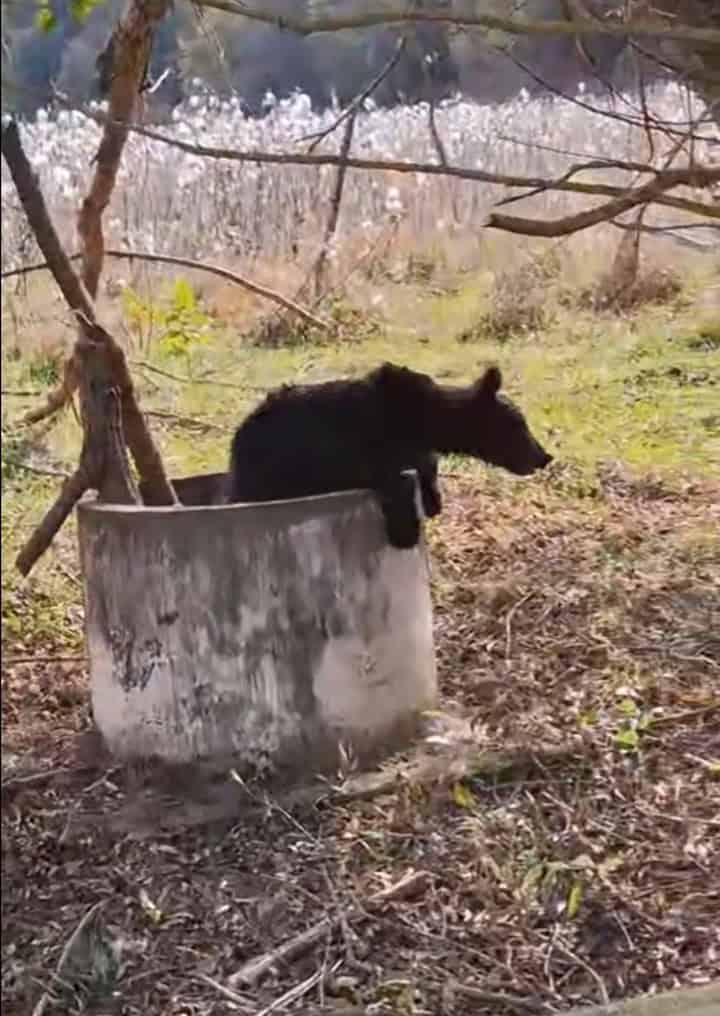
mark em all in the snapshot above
pixel 347 434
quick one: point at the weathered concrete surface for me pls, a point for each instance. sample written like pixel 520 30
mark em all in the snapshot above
pixel 265 632
pixel 704 1001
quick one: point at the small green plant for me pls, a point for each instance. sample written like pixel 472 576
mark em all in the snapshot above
pixel 179 322
pixel 627 738
pixel 46 18
pixel 45 371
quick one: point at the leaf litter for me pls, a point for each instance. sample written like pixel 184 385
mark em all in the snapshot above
pixel 552 839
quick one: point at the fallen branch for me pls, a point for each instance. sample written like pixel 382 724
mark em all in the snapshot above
pixel 200 266
pixel 251 972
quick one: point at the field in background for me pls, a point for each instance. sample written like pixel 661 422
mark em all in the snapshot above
pixel 576 613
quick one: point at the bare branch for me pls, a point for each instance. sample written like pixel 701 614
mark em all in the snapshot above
pixel 200 266
pixel 678 233
pixel 670 128
pixel 463 12
pixel 699 176
pixel 336 200
pixel 99 366
pixel 435 134
pixel 359 99
pixel 592 217
pixel 26 184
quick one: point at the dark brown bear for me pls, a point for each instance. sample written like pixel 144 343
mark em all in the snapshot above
pixel 344 435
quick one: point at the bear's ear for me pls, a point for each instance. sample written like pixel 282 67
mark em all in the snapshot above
pixel 388 377
pixel 490 383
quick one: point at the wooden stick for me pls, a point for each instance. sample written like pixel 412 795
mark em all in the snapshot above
pixel 251 972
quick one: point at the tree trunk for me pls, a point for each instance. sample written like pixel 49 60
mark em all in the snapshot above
pixel 110 413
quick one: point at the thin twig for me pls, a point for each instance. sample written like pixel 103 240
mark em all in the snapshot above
pixel 507 999
pixel 9 661
pixel 509 619
pixel 228 993
pixel 253 970
pixel 317 136
pixel 200 266
pixel 144 365
pixel 65 955
pixel 335 203
pixel 435 135
pixel 40 470
pixel 184 421
pixel 298 990
pixel 604 996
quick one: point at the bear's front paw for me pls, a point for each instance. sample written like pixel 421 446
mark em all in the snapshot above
pixel 403 529
pixel 432 502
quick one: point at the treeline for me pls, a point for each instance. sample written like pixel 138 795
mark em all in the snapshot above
pixel 231 54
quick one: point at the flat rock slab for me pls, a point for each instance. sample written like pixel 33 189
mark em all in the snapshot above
pixel 704 1001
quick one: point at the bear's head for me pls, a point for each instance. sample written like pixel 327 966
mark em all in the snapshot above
pixel 467 419
pixel 497 432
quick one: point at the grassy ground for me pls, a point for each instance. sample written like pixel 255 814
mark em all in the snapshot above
pixel 577 620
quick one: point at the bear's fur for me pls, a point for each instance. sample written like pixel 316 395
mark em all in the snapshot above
pixel 348 434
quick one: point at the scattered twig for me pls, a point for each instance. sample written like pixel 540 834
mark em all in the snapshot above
pixel 298 990
pixel 509 619
pixel 232 996
pixel 604 996
pixel 410 885
pixel 41 470
pixel 507 999
pixel 36 779
pixel 9 661
pixel 65 955
pixel 184 421
pixel 143 365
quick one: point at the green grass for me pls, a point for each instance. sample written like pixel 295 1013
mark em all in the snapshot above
pixel 644 390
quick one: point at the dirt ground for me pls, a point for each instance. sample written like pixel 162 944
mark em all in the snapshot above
pixel 553 839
